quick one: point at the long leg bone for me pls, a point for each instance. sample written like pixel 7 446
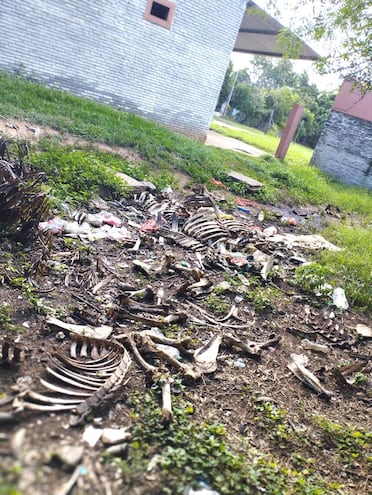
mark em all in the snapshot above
pixel 297 366
pixel 166 410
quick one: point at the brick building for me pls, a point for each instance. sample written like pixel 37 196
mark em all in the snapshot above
pixel 164 60
pixel 344 149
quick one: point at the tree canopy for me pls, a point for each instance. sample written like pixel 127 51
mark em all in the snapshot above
pixel 264 95
pixel 345 26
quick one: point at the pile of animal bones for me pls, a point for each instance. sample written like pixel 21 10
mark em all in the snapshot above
pixel 90 364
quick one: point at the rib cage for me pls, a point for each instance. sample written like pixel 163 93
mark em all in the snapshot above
pixel 81 381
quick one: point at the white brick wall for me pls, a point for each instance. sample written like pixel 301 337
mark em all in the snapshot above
pixel 105 50
pixel 344 150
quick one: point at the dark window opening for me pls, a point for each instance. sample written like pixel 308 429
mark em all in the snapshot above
pixel 160 11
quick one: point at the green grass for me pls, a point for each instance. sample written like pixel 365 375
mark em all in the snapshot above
pixel 297 154
pixel 162 152
pixel 352 267
pixel 185 454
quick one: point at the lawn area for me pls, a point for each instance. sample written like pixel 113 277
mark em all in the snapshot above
pixel 297 154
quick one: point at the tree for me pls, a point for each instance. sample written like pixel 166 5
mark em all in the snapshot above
pixel 272 75
pixel 281 102
pixel 249 101
pixel 346 26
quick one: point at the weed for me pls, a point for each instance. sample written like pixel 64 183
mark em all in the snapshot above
pixel 9 476
pixel 263 299
pixel 76 175
pixel 29 294
pixel 217 304
pixel 5 316
pixel 273 420
pixel 351 268
pixel 184 453
pixel 312 277
pixel 351 443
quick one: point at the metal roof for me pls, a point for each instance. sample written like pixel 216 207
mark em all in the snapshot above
pixel 258 32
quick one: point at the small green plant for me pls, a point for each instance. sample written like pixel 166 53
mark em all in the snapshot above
pixel 5 316
pixel 77 175
pixel 29 293
pixel 272 419
pixel 263 299
pixel 350 443
pixel 217 303
pixel 312 277
pixel 9 476
pixel 183 453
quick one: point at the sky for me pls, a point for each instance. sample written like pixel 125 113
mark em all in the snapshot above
pixel 290 18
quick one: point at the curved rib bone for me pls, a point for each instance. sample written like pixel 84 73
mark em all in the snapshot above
pixel 90 381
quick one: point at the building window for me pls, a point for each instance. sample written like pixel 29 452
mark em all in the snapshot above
pixel 160 12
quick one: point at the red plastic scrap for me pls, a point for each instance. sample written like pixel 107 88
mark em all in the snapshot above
pixel 247 202
pixel 218 183
pixel 149 226
pixel 238 261
pixel 54 225
pixel 110 219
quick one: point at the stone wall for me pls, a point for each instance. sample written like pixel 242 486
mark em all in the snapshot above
pixel 106 51
pixel 344 149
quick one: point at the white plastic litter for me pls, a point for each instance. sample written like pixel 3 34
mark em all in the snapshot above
pixel 339 298
pixel 312 241
pixel 54 225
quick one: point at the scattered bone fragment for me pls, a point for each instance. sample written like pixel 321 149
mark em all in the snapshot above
pixel 267 267
pixel 154 268
pixel 67 487
pixel 135 306
pixel 113 436
pixel 339 298
pixel 7 417
pixel 250 347
pixel 17 441
pixel 10 353
pixel 213 321
pixel 91 435
pixel 188 370
pixel 69 455
pixel 314 346
pixel 364 330
pixel 117 450
pixel 102 332
pixel 166 410
pixel 297 366
pixel 205 357
pixel 348 373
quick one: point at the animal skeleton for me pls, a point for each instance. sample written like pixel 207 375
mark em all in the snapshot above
pixel 81 381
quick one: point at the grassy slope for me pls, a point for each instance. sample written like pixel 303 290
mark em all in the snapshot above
pixel 163 152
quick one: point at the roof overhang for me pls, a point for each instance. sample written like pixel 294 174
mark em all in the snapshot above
pixel 258 35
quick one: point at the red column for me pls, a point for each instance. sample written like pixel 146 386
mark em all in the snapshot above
pixel 290 128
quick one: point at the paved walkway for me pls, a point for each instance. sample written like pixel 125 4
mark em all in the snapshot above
pixel 220 141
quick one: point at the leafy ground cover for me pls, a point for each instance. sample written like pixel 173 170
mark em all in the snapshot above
pixel 241 430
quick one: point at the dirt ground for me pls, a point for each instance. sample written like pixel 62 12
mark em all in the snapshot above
pixel 83 281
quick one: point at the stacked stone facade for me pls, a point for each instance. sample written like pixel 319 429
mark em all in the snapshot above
pixel 344 149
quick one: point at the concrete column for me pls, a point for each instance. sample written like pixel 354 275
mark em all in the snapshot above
pixel 290 128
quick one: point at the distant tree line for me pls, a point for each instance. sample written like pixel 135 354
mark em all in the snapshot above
pixel 264 95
